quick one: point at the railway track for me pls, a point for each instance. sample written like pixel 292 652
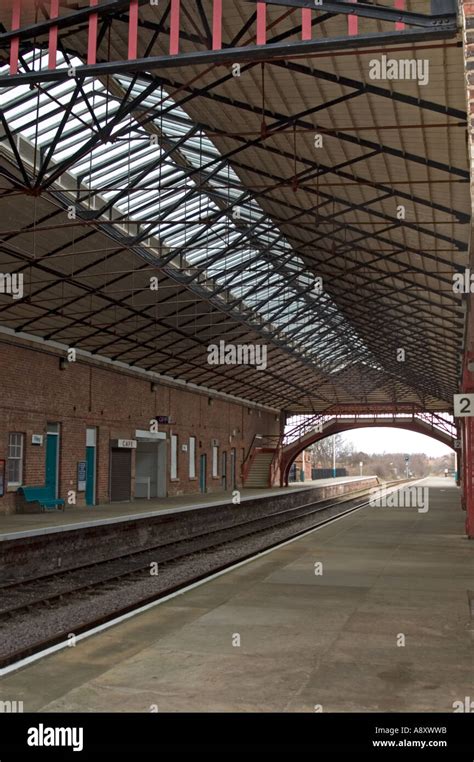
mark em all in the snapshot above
pixel 37 613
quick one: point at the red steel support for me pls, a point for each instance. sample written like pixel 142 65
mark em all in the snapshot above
pixel 92 37
pixel 15 43
pixel 261 23
pixel 400 6
pixel 467 463
pixel 306 29
pixel 133 30
pixel 352 23
pixel 217 25
pixel 468 474
pixel 174 28
pixel 53 34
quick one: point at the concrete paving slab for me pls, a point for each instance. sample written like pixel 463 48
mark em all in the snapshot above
pixel 304 640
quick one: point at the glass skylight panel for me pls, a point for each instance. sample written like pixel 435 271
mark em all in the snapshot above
pixel 280 290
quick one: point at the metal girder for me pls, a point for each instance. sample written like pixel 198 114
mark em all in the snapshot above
pixel 372 89
pixel 276 306
pixel 68 21
pixel 267 53
pixel 149 347
pixel 337 133
pixel 374 11
pixel 329 169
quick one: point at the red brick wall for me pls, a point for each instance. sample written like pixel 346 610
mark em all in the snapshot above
pixel 468 33
pixel 34 391
pixel 303 463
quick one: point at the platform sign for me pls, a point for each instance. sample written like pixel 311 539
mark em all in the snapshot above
pixel 463 405
pixel 81 476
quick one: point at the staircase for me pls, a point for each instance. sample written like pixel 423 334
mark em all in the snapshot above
pixel 259 473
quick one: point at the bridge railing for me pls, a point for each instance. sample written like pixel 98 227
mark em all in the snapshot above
pixel 319 421
pixel 259 442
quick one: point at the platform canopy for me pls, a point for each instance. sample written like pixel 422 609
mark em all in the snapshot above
pixel 291 194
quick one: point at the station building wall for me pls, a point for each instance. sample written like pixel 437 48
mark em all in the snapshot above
pixel 85 401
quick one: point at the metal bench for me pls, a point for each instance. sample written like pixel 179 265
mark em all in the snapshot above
pixel 41 495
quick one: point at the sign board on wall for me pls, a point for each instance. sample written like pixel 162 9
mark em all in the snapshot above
pixel 463 405
pixel 127 444
pixel 163 419
pixel 81 476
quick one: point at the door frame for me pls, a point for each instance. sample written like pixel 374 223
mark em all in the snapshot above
pixel 233 468
pixel 224 469
pixel 203 473
pixel 56 434
pixel 130 497
pixel 94 471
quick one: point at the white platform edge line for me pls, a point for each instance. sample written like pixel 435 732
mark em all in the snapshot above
pixel 58 528
pixel 118 620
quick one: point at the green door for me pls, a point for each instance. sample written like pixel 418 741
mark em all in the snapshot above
pixel 52 452
pixel 202 473
pixel 90 475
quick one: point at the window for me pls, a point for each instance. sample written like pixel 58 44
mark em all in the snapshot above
pixel 215 461
pixel 15 459
pixel 174 456
pixel 192 457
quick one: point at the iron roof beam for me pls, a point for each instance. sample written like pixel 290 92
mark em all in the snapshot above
pixel 252 53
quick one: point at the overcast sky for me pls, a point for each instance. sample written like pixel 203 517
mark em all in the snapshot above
pixel 371 440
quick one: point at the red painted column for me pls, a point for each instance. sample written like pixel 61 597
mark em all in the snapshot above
pixel 133 30
pixel 53 34
pixel 92 36
pixel 352 23
pixel 400 6
pixel 467 428
pixel 306 29
pixel 467 470
pixel 459 461
pixel 463 467
pixel 15 43
pixel 217 25
pixel 261 23
pixel 468 473
pixel 174 28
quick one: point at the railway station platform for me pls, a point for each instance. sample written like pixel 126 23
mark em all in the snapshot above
pixel 18 525
pixel 387 626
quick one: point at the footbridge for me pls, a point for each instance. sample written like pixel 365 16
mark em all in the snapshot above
pixel 270 457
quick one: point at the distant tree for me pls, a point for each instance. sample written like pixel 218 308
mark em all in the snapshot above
pixel 387 465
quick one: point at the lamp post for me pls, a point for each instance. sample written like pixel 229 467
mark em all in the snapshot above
pixel 334 456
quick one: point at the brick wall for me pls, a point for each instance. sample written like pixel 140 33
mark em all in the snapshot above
pixel 35 391
pixel 303 463
pixel 467 15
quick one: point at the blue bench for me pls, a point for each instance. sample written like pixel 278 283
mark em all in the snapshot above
pixel 41 495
